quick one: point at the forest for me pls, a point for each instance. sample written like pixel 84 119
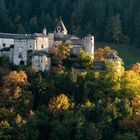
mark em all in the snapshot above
pixel 98 17
pixel 67 104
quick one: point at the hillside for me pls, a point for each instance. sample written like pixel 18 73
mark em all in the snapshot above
pixel 129 54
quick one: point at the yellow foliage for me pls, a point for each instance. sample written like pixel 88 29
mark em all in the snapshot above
pixel 4 124
pixel 63 51
pixel 85 59
pixel 19 120
pixel 88 104
pixel 131 83
pixel 59 103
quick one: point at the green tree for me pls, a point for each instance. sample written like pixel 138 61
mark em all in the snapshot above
pixel 117 29
pixel 128 136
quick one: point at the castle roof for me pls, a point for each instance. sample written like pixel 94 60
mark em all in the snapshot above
pixel 9 35
pixel 24 36
pixel 21 36
pixel 40 53
pixel 39 35
pixel 61 25
pixel 113 56
pixel 76 42
pixel 69 37
pixel 89 35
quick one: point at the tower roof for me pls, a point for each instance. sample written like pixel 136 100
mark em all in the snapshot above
pixel 89 35
pixel 60 26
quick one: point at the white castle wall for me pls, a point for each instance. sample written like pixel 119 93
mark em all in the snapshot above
pixel 42 43
pixel 6 41
pixel 21 48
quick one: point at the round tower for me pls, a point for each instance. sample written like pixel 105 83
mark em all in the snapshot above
pixel 89 45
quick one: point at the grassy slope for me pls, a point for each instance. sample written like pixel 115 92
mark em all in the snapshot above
pixel 129 54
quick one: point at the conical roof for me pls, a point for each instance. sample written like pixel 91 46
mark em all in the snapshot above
pixel 61 27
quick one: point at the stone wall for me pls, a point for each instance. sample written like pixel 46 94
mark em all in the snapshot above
pixel 21 49
pixel 42 63
pixel 5 42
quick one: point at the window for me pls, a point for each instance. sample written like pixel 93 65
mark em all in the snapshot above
pixel 20 56
pixel 42 46
pixel 4 44
pixel 30 46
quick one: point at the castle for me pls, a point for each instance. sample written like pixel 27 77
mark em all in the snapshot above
pixel 33 49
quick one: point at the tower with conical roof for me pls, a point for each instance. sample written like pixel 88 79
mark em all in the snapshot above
pixel 60 30
pixel 44 30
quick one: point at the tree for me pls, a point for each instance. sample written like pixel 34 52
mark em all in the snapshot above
pixel 130 85
pixel 132 124
pixel 21 29
pixel 85 60
pixel 34 24
pixel 27 10
pixel 59 104
pixel 136 68
pixel 128 136
pixel 93 133
pixel 15 79
pixel 60 54
pixel 117 29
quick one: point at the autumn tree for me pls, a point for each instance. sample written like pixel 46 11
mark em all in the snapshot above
pixel 59 104
pixel 130 85
pixel 60 54
pixel 85 60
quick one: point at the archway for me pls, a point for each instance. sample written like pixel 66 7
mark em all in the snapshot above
pixel 22 63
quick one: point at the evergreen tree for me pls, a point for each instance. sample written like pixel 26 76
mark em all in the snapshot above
pixel 117 29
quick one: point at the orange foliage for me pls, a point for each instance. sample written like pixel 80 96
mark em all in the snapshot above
pixel 101 53
pixel 59 104
pixel 15 79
